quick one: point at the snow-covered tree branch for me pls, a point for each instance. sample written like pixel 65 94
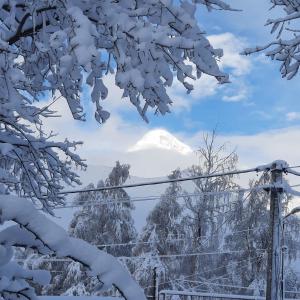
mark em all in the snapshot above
pixel 51 43
pixel 31 164
pixel 285 48
pixel 51 239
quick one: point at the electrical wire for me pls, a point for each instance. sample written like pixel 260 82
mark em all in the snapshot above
pixel 171 240
pixel 145 257
pixel 106 188
pixel 292 167
pixel 246 260
pixel 154 198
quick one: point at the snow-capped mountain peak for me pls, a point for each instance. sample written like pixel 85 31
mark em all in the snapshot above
pixel 160 139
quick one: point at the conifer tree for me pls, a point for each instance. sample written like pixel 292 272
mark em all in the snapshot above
pixel 163 234
pixel 104 219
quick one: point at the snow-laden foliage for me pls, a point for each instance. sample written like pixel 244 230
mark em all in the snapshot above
pixel 31 163
pixel 149 269
pixel 37 232
pixel 208 210
pixel 249 233
pixel 103 219
pixel 285 48
pixel 46 45
pixel 165 223
pixel 14 279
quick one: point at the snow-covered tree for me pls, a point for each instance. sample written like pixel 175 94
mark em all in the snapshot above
pixel 249 234
pixel 150 270
pixel 285 48
pixel 103 219
pixel 46 49
pixel 47 45
pixel 163 234
pixel 31 163
pixel 208 208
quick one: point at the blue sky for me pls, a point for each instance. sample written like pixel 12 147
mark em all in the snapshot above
pixel 270 102
pixel 269 97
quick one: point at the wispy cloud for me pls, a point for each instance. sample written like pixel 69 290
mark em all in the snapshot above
pixel 232 46
pixel 293 116
pixel 262 114
pixel 237 93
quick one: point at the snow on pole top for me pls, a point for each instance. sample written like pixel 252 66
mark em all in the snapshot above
pixel 275 165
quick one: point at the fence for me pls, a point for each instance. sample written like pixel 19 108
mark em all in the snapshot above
pixel 186 295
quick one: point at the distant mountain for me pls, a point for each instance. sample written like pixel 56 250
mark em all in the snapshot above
pixel 161 139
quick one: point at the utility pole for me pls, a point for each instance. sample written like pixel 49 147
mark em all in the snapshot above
pixel 155 284
pixel 283 251
pixel 274 252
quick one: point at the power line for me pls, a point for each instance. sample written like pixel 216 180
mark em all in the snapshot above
pixel 148 243
pixel 145 257
pixel 106 188
pixel 171 240
pixel 244 264
pixel 292 167
pixel 204 253
pixel 158 197
pixel 246 260
pixel 294 172
pixel 154 198
pixel 149 198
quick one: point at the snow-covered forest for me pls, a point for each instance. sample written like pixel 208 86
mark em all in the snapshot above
pixel 203 239
pixel 207 231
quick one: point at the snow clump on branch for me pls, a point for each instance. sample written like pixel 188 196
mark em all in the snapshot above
pixel 145 43
pixel 285 48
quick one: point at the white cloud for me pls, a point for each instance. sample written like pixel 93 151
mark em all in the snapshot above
pixel 203 87
pixel 262 114
pixel 236 93
pixel 268 146
pixel 293 116
pixel 232 47
pixel 263 147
